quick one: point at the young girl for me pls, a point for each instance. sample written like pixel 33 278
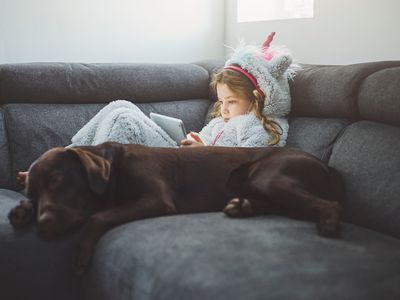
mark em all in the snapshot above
pixel 253 98
pixel 238 115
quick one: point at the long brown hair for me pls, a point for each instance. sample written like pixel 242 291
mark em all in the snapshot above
pixel 238 83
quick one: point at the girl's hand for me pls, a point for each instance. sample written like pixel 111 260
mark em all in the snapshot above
pixel 193 140
pixel 194 137
pixel 190 143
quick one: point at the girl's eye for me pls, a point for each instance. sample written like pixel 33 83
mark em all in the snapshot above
pixel 232 102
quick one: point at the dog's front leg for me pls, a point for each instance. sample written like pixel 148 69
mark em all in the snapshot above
pixel 145 207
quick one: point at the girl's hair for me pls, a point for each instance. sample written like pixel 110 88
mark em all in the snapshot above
pixel 238 83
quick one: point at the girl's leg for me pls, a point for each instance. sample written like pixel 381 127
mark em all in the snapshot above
pixel 86 134
pixel 131 127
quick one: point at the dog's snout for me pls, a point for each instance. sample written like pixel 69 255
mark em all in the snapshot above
pixel 46 219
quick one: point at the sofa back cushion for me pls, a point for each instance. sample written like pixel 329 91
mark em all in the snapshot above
pixel 101 83
pixel 5 161
pixel 35 128
pixel 45 104
pixel 359 91
pixel 379 96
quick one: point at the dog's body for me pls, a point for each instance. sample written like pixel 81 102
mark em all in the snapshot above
pixel 103 186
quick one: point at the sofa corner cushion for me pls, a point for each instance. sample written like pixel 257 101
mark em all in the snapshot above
pixel 332 90
pixel 368 158
pixel 211 256
pixel 379 96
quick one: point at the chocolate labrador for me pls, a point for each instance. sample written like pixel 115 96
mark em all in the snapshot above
pixel 100 187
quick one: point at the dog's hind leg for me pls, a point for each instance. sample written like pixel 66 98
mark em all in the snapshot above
pixel 284 195
pixel 293 199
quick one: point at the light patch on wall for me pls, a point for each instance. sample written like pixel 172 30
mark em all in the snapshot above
pixel 263 10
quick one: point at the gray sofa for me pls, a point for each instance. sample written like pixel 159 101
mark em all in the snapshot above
pixel 349 116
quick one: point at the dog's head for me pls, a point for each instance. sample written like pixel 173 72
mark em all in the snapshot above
pixel 65 185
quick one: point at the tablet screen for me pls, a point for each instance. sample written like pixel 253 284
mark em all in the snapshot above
pixel 172 126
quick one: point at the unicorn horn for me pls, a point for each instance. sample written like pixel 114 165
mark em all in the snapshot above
pixel 267 42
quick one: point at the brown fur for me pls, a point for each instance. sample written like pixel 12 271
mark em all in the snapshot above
pixel 100 187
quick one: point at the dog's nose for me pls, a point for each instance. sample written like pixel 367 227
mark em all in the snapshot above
pixel 46 220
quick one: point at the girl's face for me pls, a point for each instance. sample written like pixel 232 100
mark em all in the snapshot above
pixel 232 104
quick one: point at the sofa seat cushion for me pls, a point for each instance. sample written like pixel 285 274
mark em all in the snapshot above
pixel 32 268
pixel 211 256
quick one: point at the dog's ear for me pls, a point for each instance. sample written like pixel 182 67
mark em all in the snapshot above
pixel 97 169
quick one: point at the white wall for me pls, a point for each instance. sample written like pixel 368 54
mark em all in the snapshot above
pixel 111 30
pixel 341 32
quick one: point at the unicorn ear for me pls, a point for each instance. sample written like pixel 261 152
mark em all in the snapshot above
pixel 267 42
pixel 279 65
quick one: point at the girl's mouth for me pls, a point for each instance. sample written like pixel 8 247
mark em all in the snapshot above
pixel 226 120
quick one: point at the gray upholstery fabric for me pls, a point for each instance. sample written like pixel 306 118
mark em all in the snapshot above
pixel 331 91
pixel 211 256
pixel 32 268
pixel 315 136
pixel 367 156
pixel 95 83
pixel 212 66
pixel 8 199
pixel 5 161
pixel 35 128
pixel 381 102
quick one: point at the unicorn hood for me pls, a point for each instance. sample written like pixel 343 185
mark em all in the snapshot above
pixel 272 68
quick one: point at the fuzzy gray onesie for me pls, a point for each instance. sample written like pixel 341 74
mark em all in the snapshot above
pixel 122 121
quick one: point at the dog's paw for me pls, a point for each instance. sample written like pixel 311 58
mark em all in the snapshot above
pixel 21 178
pixel 239 208
pixel 329 221
pixel 22 214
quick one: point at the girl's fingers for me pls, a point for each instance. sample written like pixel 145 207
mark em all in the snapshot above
pixel 186 142
pixel 196 137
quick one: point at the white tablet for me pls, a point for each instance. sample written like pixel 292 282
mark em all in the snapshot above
pixel 173 126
